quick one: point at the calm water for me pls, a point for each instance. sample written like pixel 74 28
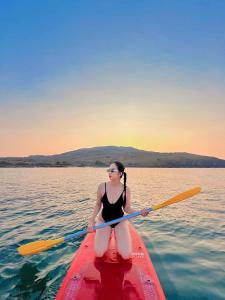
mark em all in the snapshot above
pixel 186 241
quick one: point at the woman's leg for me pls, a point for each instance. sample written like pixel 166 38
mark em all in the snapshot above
pixel 102 237
pixel 123 239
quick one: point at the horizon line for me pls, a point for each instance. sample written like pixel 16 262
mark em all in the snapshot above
pixel 90 147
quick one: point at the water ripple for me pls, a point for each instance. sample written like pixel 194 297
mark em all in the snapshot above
pixel 186 241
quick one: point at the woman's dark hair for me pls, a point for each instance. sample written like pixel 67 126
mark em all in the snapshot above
pixel 121 169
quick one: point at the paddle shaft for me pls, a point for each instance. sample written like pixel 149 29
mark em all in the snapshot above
pixel 38 246
pixel 170 201
pixel 102 225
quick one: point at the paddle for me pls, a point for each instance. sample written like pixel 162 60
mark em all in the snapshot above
pixel 39 246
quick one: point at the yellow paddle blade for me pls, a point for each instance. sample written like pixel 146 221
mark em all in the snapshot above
pixel 38 246
pixel 178 198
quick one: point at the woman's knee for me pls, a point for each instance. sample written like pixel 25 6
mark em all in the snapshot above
pixel 101 243
pixel 100 252
pixel 124 244
pixel 125 253
pixel 100 248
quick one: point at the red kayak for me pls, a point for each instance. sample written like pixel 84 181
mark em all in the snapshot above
pixel 111 277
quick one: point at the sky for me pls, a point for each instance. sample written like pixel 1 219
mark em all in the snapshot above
pixel 147 74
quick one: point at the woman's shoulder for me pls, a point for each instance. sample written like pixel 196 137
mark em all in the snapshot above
pixel 127 186
pixel 101 187
pixel 127 189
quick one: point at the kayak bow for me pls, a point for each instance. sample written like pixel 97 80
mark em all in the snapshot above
pixel 111 277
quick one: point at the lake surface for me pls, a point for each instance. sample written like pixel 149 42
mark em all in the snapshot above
pixel 186 241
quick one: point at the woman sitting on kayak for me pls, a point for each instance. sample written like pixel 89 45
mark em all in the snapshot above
pixel 114 196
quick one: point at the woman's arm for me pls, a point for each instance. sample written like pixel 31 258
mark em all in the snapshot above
pixel 97 207
pixel 128 209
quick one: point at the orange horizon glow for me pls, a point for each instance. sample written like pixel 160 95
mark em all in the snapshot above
pixel 154 115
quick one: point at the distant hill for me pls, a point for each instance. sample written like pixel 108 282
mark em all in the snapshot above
pixel 103 156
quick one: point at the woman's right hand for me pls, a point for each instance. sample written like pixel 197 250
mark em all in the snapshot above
pixel 90 227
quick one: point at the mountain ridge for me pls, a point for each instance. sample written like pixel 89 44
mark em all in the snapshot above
pixel 101 156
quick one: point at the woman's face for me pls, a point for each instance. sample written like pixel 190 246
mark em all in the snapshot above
pixel 115 173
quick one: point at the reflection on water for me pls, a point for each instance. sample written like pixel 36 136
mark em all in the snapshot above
pixel 28 283
pixel 186 241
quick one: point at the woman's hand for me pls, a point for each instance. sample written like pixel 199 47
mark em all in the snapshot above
pixel 90 227
pixel 144 212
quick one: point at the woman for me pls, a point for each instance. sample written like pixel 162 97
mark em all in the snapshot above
pixel 114 196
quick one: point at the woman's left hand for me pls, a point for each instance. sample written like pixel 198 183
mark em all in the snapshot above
pixel 144 212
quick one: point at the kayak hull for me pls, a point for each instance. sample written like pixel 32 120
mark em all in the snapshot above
pixel 111 277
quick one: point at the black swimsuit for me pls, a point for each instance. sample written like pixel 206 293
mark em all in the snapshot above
pixel 114 210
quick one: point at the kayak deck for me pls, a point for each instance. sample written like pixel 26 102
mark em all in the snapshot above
pixel 111 277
